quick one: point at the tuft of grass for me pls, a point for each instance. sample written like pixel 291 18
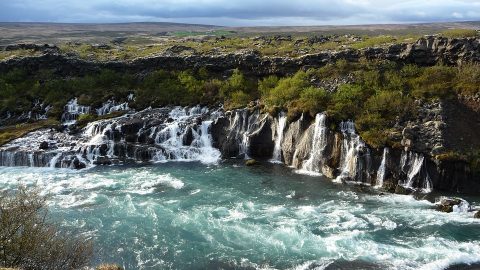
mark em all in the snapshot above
pixel 10 133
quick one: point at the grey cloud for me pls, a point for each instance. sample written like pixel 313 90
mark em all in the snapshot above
pixel 241 12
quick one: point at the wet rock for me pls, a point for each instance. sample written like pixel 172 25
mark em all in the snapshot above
pixel 399 189
pixel 132 126
pixel 188 137
pixel 103 160
pixel 477 214
pixel 44 145
pixel 448 205
pixel 77 164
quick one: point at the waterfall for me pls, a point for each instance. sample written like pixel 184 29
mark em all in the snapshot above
pixel 111 106
pixel 277 151
pixel 242 125
pixel 382 169
pixel 414 166
pixel 161 134
pixel 319 142
pixel 355 155
pixel 72 111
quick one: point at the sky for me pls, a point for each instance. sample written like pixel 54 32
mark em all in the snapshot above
pixel 240 12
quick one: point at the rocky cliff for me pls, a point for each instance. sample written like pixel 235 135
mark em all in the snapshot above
pixel 426 51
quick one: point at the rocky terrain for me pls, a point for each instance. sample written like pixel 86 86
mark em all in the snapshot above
pixel 309 145
pixel 426 51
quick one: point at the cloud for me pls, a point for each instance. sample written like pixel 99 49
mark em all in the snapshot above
pixel 241 12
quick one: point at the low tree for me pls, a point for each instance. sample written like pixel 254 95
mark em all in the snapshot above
pixel 30 240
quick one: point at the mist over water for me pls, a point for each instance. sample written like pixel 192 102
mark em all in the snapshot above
pixel 194 216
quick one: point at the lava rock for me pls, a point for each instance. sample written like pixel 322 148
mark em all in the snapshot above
pixel 447 205
pixel 102 160
pixel 399 189
pixel 44 145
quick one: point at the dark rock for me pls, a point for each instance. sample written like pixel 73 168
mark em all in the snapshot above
pixel 103 160
pixel 446 204
pixel 477 214
pixel 77 164
pixel 132 126
pixel 188 137
pixel 44 145
pixel 399 189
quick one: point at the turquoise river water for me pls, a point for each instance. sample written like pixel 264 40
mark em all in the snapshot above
pixel 183 215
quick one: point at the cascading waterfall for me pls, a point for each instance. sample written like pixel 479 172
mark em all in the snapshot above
pixel 242 125
pixel 414 166
pixel 355 155
pixel 166 134
pixel 111 106
pixel 72 111
pixel 319 142
pixel 277 151
pixel 382 169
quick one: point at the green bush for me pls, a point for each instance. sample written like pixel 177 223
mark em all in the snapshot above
pixel 435 82
pixel 287 90
pixel 313 100
pixel 467 80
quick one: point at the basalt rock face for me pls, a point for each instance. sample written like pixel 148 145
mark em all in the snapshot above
pixel 207 134
pixel 309 146
pixel 426 51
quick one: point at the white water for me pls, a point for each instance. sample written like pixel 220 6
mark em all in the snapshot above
pixel 382 169
pixel 242 125
pixel 72 111
pixel 414 165
pixel 352 164
pixel 111 106
pixel 190 216
pixel 277 151
pixel 319 142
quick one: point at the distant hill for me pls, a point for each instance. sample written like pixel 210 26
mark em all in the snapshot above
pixel 146 32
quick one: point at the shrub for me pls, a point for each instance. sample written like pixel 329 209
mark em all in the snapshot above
pixel 238 99
pixel 435 82
pixel 346 102
pixel 29 240
pixel 313 100
pixel 467 80
pixel 287 90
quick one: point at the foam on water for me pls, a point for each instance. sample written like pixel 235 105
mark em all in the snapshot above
pixel 188 216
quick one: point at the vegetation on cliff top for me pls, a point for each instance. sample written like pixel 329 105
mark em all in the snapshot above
pixel 376 94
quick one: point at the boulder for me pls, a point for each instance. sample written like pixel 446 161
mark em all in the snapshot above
pixel 251 162
pixel 399 189
pixel 448 205
pixel 44 145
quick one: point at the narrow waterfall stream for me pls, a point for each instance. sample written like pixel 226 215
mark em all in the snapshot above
pixel 319 141
pixel 277 151
pixel 382 169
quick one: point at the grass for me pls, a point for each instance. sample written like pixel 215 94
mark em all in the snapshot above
pixel 10 133
pixel 232 42
pixel 459 33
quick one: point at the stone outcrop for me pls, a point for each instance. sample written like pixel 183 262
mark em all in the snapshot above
pixel 426 51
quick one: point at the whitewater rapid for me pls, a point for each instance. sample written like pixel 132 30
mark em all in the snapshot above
pixel 193 216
